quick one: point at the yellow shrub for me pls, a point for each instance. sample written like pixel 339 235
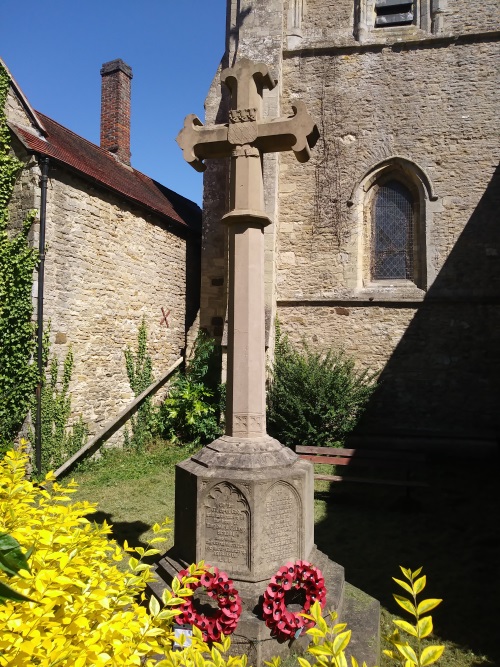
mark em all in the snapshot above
pixel 84 610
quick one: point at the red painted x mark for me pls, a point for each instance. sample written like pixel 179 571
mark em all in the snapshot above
pixel 164 318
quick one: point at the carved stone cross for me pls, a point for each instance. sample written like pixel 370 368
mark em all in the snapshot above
pixel 245 139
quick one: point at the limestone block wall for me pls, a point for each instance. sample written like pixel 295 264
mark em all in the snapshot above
pixel 423 98
pixel 371 107
pixel 108 265
pixel 439 358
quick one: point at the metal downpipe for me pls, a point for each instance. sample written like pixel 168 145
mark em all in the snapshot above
pixel 44 165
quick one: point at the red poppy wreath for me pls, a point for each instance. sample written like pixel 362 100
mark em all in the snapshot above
pixel 222 590
pixel 292 577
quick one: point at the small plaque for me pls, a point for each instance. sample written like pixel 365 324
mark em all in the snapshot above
pixel 179 630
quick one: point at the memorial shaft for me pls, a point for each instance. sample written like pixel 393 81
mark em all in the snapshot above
pixel 246 137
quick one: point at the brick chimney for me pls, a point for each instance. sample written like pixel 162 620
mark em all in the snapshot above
pixel 115 109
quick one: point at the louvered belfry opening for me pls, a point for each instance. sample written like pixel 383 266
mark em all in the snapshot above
pixel 392 237
pixel 393 13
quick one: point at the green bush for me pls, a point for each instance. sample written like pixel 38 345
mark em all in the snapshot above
pixel 195 402
pixel 314 398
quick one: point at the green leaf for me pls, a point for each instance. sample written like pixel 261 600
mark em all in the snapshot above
pixel 12 558
pixel 427 605
pixel 8 593
pixel 430 654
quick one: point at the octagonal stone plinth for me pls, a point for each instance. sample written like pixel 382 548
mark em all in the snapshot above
pixel 246 520
pixel 246 506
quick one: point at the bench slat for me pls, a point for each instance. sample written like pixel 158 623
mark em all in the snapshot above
pixel 365 458
pixel 371 480
pixel 359 454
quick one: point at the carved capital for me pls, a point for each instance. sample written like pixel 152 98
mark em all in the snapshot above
pixel 242 115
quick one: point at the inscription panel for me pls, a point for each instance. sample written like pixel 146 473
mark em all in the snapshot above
pixel 227 526
pixel 282 524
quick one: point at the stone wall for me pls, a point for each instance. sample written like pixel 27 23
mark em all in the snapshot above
pixel 423 100
pixel 108 265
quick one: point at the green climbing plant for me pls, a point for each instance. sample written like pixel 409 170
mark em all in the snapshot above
pixel 59 439
pixel 140 374
pixel 18 373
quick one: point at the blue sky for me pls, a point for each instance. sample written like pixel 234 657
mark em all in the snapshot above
pixel 55 49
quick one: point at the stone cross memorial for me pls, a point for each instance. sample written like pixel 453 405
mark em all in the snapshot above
pixel 244 503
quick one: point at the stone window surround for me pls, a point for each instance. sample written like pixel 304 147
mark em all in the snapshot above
pixel 361 203
pixel 429 19
pixel 365 14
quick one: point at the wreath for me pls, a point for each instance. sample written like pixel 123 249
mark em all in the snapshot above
pixel 220 588
pixel 297 576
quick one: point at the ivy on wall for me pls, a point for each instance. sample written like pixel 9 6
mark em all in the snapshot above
pixel 140 374
pixel 59 441
pixel 18 373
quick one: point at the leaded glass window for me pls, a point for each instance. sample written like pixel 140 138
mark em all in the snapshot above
pixel 392 232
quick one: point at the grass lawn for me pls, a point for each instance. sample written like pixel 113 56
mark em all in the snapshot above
pixel 451 529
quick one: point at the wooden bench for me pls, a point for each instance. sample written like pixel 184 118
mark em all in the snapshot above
pixel 394 468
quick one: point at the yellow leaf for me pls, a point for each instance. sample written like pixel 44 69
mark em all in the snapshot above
pixel 341 641
pixel 318 650
pixel 406 604
pixel 404 585
pixel 419 584
pixel 406 627
pixel 407 652
pixel 303 662
pixel 430 654
pixel 315 632
pixel 427 605
pixel 424 627
pixel 154 606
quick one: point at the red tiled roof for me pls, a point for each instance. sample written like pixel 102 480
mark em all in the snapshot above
pixel 101 166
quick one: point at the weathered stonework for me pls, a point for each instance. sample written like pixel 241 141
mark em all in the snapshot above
pixel 108 266
pixel 420 100
pixel 109 263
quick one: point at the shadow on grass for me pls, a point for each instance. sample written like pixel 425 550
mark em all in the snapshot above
pixel 451 529
pixel 122 530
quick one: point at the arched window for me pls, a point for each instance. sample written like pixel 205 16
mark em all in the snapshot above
pixel 392 247
pixel 392 207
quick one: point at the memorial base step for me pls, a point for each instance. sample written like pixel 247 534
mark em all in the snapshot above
pixel 253 639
